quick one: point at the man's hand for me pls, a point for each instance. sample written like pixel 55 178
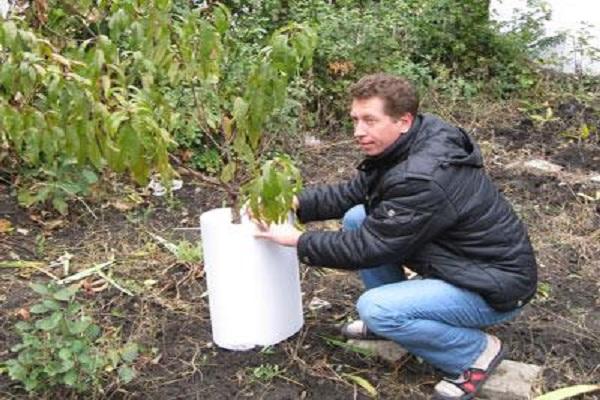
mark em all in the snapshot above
pixel 286 235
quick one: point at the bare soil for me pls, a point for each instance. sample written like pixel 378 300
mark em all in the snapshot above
pixel 559 330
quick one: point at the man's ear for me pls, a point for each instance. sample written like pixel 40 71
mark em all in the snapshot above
pixel 405 122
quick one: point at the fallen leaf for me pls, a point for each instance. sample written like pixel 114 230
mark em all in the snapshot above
pixel 186 155
pixel 122 205
pixel 362 382
pixel 24 314
pixel 5 226
pixel 53 224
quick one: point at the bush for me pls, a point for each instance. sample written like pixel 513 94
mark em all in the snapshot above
pixel 84 89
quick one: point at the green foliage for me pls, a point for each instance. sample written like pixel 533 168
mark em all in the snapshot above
pixel 188 252
pixel 270 195
pixel 266 372
pixel 117 85
pixel 289 51
pixel 62 346
pixel 446 46
pixel 110 85
pixel 544 291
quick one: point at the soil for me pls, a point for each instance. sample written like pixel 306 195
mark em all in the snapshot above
pixel 559 330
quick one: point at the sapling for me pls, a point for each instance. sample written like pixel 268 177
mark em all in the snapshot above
pixel 270 194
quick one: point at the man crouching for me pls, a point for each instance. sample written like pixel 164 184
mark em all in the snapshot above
pixel 421 199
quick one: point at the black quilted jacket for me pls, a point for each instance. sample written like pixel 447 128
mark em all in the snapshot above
pixel 430 206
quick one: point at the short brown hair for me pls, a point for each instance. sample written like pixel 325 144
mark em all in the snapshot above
pixel 398 94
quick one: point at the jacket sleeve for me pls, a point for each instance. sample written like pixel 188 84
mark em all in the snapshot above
pixel 412 213
pixel 331 201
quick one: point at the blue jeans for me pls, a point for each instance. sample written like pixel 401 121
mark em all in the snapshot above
pixel 430 318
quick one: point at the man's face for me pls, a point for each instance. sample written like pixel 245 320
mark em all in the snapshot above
pixel 374 130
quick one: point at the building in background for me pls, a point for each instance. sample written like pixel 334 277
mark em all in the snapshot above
pixel 577 21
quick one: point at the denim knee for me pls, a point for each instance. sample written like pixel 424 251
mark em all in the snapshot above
pixel 370 310
pixel 353 218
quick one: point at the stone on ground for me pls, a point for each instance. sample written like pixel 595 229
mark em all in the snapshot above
pixel 384 349
pixel 542 166
pixel 511 381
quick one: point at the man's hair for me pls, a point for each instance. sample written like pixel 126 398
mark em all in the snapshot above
pixel 398 94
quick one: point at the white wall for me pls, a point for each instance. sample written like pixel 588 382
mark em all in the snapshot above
pixel 567 16
pixel 4 7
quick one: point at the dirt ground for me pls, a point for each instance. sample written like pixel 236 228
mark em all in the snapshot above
pixel 169 316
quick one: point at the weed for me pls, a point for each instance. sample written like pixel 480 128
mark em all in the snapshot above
pixel 543 291
pixel 40 245
pixel 62 346
pixel 188 253
pixel 266 372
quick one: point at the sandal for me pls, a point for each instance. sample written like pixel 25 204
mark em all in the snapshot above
pixel 468 383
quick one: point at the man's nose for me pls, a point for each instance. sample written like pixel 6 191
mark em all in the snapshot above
pixel 359 130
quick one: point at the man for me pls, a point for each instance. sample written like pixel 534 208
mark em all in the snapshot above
pixel 421 199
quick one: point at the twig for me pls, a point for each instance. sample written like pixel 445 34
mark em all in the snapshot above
pixel 20 264
pixel 115 284
pixel 170 246
pixel 85 273
pixel 28 264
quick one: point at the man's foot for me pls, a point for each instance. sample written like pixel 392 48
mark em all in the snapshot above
pixel 467 384
pixel 358 330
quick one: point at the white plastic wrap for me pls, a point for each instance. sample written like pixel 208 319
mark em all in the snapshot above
pixel 253 284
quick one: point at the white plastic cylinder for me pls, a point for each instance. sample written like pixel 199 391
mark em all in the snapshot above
pixel 253 284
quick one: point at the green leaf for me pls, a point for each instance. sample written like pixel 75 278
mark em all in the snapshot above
pixel 222 17
pixel 60 205
pixel 228 172
pixel 70 378
pixel 93 331
pixel 66 294
pixel 77 346
pixel 16 370
pixel 65 354
pixel 126 374
pixel 39 288
pixel 130 352
pixel 39 309
pixel 49 323
pixel 10 31
pixel 569 392
pixel 89 176
pixel 26 198
pixel 79 326
pixel 51 305
pixel 240 109
pixel 23 326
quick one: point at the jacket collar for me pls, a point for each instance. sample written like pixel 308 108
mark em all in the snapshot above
pixel 397 151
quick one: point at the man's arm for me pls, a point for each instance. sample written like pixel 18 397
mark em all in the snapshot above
pixel 330 201
pixel 414 213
